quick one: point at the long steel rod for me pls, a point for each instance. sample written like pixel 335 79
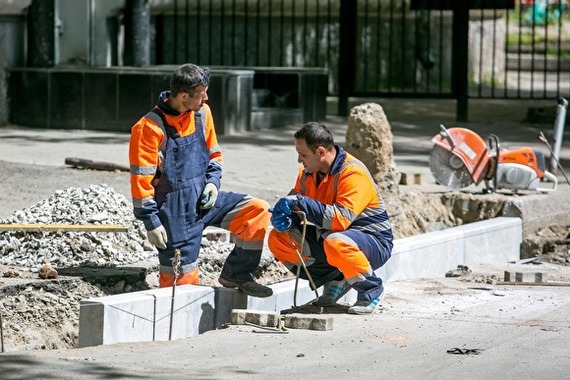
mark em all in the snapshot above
pixel 176 269
pixel 1 333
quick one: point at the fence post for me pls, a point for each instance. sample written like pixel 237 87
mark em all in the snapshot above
pixel 347 54
pixel 460 58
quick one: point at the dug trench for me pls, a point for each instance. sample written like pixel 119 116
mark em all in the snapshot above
pixel 40 312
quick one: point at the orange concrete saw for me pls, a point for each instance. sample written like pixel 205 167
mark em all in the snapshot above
pixel 460 158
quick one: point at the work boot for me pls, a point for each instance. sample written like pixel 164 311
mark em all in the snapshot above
pixel 251 288
pixel 366 307
pixel 332 292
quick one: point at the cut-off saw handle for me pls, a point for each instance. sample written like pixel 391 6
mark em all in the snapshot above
pixel 550 178
pixel 443 132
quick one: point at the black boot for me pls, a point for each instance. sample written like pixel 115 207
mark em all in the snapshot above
pixel 250 287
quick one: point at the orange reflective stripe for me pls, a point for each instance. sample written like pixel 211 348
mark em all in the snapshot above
pixel 190 278
pixel 348 258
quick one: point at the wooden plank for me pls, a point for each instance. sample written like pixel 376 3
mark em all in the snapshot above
pixel 97 165
pixel 63 227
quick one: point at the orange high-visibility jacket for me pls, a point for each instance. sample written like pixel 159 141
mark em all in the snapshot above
pixel 346 197
pixel 147 151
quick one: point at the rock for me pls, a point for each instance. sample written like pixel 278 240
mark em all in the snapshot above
pixel 11 273
pixel 47 272
pixel 369 138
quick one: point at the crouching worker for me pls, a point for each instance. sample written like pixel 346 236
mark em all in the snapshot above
pixel 349 235
pixel 176 168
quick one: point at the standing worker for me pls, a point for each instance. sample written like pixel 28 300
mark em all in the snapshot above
pixel 350 235
pixel 176 168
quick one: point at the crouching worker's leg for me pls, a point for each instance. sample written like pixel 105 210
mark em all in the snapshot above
pixel 248 221
pixel 358 255
pixel 284 246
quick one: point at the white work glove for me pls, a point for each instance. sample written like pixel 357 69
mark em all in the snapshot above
pixel 209 196
pixel 157 237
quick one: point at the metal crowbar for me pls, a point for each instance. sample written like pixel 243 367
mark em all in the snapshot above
pixel 298 250
pixel 176 269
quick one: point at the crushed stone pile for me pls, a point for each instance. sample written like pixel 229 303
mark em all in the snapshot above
pixel 96 205
pixel 102 205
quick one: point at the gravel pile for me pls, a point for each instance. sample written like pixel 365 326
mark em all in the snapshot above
pixel 96 205
pixel 101 205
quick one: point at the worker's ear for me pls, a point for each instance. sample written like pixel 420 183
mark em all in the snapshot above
pixel 321 151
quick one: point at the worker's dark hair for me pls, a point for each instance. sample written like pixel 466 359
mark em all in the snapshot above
pixel 187 77
pixel 315 135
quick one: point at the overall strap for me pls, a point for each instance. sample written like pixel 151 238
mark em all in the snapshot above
pixel 157 116
pixel 199 119
pixel 161 122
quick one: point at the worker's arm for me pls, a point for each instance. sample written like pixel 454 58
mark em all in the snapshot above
pixel 145 140
pixel 216 163
pixel 355 191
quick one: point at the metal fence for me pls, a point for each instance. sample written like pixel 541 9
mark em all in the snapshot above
pixel 403 48
pixel 301 33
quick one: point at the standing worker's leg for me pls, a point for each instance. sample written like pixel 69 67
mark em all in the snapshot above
pixel 187 267
pixel 248 221
pixel 167 279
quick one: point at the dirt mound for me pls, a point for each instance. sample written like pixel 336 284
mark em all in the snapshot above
pixel 550 244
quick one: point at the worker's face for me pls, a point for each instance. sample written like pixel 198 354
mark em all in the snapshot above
pixel 312 161
pixel 195 101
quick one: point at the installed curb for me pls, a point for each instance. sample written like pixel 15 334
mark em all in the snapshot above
pixel 146 315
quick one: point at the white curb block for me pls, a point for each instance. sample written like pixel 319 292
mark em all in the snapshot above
pixel 145 315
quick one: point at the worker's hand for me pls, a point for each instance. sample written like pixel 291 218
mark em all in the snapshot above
pixel 209 196
pixel 280 221
pixel 157 237
pixel 286 205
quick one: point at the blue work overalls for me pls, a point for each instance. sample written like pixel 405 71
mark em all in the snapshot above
pixel 178 194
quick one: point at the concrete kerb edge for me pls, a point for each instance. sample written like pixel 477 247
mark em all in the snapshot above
pixel 203 308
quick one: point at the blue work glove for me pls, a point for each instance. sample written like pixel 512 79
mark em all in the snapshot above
pixel 286 205
pixel 280 221
pixel 209 196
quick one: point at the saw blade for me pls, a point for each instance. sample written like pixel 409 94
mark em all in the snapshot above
pixel 448 169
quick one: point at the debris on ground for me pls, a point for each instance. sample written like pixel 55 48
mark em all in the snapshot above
pixel 461 270
pixel 465 274
pixel 464 351
pixel 549 244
